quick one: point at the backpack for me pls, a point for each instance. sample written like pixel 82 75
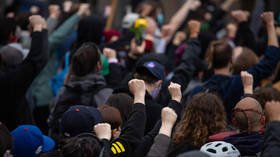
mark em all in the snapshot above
pixel 93 97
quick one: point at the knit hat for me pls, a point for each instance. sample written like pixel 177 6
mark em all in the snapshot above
pixel 10 56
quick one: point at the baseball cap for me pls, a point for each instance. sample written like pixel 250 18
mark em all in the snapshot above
pixel 79 119
pixel 155 68
pixel 30 141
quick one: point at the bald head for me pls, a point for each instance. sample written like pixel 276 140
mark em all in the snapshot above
pixel 247 114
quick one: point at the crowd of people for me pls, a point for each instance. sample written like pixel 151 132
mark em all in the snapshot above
pixel 205 83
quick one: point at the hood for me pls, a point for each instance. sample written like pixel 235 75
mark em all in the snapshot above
pixel 247 143
pixel 86 83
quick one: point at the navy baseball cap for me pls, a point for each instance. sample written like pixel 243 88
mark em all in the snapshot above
pixel 30 141
pixel 79 119
pixel 155 68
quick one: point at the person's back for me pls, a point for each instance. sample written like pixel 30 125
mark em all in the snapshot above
pixel 203 116
pixel 84 85
pixel 229 87
pixel 248 117
pixel 16 79
pixel 221 83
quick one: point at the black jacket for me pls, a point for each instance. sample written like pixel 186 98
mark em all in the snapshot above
pixel 271 147
pixel 14 82
pixel 148 140
pixel 248 144
pixel 176 149
pixel 130 137
pixel 152 108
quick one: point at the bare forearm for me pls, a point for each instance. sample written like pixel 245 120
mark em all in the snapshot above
pixel 180 15
pixel 227 4
pixel 166 130
pixel 272 36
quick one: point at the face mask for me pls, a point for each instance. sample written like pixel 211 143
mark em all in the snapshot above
pixel 155 92
pixel 160 19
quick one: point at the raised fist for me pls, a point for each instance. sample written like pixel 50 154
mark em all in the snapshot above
pixel 179 38
pixel 37 22
pixel 168 116
pixel 194 28
pixel 247 80
pixel 240 15
pixel 137 87
pixel 272 110
pixel 103 131
pixel 231 30
pixel 110 53
pixel 54 11
pixel 135 49
pixel 268 18
pixel 166 30
pixel 175 91
pixel 84 9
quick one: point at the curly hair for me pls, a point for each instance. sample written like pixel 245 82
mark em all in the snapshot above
pixel 203 116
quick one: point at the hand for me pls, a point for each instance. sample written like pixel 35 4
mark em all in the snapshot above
pixel 135 49
pixel 194 28
pixel 272 110
pixel 231 30
pixel 34 9
pixel 54 11
pixel 168 116
pixel 168 119
pixel 138 89
pixel 268 18
pixel 103 131
pixel 166 31
pixel 67 6
pixel 194 4
pixel 240 15
pixel 247 80
pixel 37 23
pixel 110 53
pixel 179 38
pixel 84 9
pixel 175 91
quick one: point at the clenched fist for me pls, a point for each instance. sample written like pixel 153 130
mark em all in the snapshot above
pixel 37 22
pixel 84 9
pixel 168 119
pixel 175 91
pixel 168 116
pixel 110 53
pixel 103 131
pixel 247 80
pixel 194 28
pixel 138 89
pixel 240 15
pixel 268 18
